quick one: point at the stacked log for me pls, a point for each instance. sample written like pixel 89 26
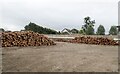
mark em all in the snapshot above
pixel 94 40
pixel 24 38
pixel 90 40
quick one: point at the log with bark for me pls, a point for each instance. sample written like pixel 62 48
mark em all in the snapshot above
pixel 24 38
pixel 94 40
pixel 90 40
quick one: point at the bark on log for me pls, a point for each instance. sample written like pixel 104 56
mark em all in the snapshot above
pixel 24 38
pixel 94 40
pixel 90 40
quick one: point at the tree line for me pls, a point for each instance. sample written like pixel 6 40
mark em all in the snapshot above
pixel 39 29
pixel 36 28
pixel 88 28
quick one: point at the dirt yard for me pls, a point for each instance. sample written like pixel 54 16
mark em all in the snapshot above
pixel 63 57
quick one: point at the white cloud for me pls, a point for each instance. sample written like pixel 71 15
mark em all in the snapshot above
pixel 57 14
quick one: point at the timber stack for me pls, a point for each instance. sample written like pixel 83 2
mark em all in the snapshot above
pixel 94 40
pixel 24 38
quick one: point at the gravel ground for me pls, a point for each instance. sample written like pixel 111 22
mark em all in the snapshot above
pixel 0 54
pixel 77 35
pixel 0 60
pixel 63 57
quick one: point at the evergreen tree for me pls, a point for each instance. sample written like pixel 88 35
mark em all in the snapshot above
pixel 100 30
pixel 113 30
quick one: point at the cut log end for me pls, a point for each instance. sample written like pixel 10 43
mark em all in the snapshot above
pixel 26 38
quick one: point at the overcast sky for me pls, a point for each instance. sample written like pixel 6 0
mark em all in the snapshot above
pixel 57 14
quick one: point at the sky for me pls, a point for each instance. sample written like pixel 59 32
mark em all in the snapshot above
pixel 57 14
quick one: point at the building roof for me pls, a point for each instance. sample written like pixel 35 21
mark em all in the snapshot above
pixel 68 30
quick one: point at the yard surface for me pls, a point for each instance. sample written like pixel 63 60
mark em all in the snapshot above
pixel 63 57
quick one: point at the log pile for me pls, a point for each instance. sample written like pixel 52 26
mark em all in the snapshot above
pixel 94 40
pixel 24 38
pixel 90 40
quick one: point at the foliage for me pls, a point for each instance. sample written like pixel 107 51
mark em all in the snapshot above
pixel 88 25
pixel 81 31
pixel 113 30
pixel 90 30
pixel 39 29
pixel 100 30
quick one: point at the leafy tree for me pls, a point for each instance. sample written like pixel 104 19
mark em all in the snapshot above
pixel 100 30
pixel 81 31
pixel 88 25
pixel 113 30
pixel 39 29
pixel 90 30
